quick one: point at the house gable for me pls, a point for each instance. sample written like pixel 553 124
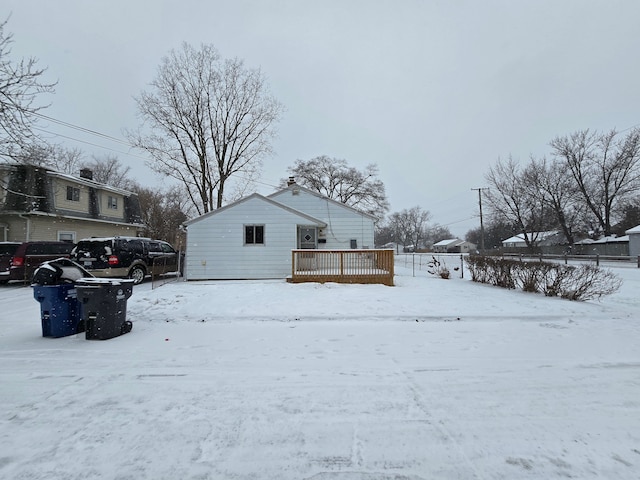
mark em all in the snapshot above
pixel 346 226
pixel 217 247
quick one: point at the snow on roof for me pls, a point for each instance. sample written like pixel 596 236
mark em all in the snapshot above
pixel 449 241
pixel 612 239
pixel 635 229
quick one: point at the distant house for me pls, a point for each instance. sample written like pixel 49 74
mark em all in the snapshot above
pixel 539 239
pixel 454 245
pixel 38 203
pixel 253 237
pixel 616 246
pixel 634 241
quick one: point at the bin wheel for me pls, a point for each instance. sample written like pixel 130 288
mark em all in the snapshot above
pixel 137 273
pixel 126 327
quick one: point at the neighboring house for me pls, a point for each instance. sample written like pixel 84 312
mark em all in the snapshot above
pixel 634 241
pixel 615 246
pixel 396 247
pixel 454 245
pixel 37 203
pixel 253 237
pixel 539 239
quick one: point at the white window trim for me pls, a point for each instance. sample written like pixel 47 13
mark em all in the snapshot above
pixel 67 232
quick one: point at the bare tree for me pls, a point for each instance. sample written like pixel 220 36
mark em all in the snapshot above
pixel 210 120
pixel 163 212
pixel 20 86
pixel 110 171
pixel 410 226
pixel 605 168
pixel 513 198
pixel 56 157
pixel 560 194
pixel 334 179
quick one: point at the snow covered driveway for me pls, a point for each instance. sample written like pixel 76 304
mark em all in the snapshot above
pixel 267 380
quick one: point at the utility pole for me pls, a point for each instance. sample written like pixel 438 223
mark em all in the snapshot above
pixel 481 224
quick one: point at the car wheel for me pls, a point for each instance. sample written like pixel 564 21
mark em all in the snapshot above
pixel 137 273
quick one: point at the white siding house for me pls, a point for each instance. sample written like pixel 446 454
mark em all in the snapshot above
pixel 453 245
pixel 253 237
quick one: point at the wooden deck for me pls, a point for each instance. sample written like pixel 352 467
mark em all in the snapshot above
pixel 342 266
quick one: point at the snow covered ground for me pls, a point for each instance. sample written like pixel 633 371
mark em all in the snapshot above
pixel 430 379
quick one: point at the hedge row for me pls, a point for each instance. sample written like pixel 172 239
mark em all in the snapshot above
pixel 583 282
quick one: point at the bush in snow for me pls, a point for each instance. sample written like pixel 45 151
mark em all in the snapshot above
pixel 584 282
pixel 436 267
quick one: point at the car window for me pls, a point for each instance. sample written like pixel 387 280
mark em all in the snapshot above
pixel 154 247
pixel 166 248
pixel 8 248
pixel 93 248
pixel 133 246
pixel 59 248
pixel 34 249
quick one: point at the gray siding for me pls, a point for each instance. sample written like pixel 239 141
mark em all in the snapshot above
pixel 634 244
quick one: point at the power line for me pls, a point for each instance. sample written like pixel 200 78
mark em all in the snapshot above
pixel 83 129
pixel 88 143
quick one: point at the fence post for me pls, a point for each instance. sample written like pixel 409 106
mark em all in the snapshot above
pixel 413 261
pixel 462 265
pixel 597 259
pixel 565 259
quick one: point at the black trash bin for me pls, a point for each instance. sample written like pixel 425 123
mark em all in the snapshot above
pixel 104 306
pixel 54 288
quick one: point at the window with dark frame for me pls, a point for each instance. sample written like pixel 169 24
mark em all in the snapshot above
pixel 112 202
pixel 254 234
pixel 73 194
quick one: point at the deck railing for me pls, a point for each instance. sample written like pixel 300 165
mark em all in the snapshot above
pixel 342 266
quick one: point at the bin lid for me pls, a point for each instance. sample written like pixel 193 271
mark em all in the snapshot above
pixel 58 272
pixel 93 281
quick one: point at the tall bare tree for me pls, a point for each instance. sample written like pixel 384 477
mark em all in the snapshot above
pixel 334 178
pixel 605 168
pixel 208 120
pixel 20 87
pixel 513 198
pixel 560 194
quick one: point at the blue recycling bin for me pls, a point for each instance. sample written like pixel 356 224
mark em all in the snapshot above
pixel 60 310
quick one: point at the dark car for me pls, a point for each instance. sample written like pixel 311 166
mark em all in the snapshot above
pixel 18 261
pixel 126 257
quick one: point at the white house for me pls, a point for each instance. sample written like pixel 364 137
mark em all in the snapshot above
pixel 453 245
pixel 253 237
pixel 634 241
pixel 539 238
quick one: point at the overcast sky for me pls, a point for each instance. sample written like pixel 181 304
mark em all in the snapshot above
pixel 432 91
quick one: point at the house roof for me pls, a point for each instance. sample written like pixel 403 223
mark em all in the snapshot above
pixel 539 236
pixel 612 239
pixel 311 219
pixel 90 183
pixel 450 242
pixel 324 197
pixel 635 229
pixel 72 178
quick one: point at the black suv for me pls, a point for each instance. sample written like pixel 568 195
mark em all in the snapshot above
pixel 19 260
pixel 126 257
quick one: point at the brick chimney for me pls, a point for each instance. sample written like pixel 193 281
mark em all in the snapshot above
pixel 86 173
pixel 291 181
